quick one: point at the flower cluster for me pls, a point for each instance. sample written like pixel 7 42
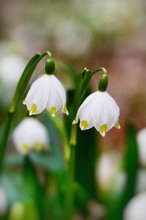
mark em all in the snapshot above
pixel 98 110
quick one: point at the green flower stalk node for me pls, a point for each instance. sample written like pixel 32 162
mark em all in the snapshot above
pixel 103 82
pixel 50 66
pixel 102 86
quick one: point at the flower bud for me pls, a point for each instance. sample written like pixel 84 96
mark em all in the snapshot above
pixel 102 86
pixel 50 66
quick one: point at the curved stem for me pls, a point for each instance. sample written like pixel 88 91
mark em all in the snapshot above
pixel 21 86
pixel 24 80
pixel 100 69
pixel 103 82
pixel 86 76
pixel 4 138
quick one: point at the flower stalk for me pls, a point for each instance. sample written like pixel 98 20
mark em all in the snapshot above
pixel 69 199
pixel 82 87
pixel 21 86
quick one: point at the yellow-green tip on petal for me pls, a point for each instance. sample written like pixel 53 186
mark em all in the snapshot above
pixel 24 102
pixel 33 109
pixel 117 125
pixel 84 124
pixel 103 130
pixel 75 121
pixel 25 148
pixel 65 110
pixel 53 111
pixel 38 146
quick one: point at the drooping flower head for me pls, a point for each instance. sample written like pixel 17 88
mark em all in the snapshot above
pixel 108 174
pixel 99 109
pixel 141 140
pixel 135 209
pixel 46 92
pixel 30 135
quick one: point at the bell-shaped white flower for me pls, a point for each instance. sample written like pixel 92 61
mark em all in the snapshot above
pixel 141 140
pixel 141 180
pixel 30 135
pixel 107 173
pixel 99 110
pixel 136 208
pixel 46 92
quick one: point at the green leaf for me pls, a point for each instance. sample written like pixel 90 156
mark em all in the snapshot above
pixel 86 155
pixel 32 188
pixel 23 82
pixel 117 203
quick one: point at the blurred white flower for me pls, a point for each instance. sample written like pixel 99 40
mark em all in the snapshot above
pixel 72 38
pixel 3 201
pixel 11 68
pixel 99 110
pixel 141 140
pixel 93 10
pixel 46 92
pixel 30 37
pixel 30 135
pixel 136 208
pixel 141 181
pixel 106 170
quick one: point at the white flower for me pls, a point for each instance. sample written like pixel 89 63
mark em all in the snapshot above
pixel 106 170
pixel 30 134
pixel 3 200
pixel 11 68
pixel 46 92
pixel 72 38
pixel 136 208
pixel 141 181
pixel 141 140
pixel 99 110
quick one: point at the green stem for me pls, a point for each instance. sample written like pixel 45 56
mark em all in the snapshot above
pixel 4 138
pixel 24 80
pixel 103 82
pixel 21 86
pixel 69 199
pixel 86 76
pixel 32 187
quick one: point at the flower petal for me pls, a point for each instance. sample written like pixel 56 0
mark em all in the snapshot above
pixel 57 96
pixel 84 111
pixel 107 111
pixel 37 97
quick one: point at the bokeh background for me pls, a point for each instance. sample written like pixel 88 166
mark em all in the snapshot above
pixel 91 33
